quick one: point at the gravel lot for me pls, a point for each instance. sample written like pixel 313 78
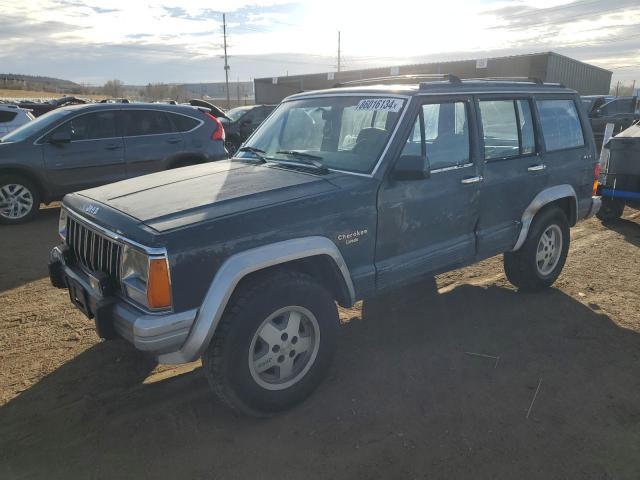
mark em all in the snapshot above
pixel 416 391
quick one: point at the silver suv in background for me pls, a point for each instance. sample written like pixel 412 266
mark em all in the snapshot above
pixel 12 117
pixel 83 146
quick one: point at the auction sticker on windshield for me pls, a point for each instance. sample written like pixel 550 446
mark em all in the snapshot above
pixel 380 104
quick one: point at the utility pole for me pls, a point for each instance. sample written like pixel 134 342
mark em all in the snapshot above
pixel 338 50
pixel 226 64
pixel 238 85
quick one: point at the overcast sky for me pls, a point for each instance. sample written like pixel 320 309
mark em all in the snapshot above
pixel 90 41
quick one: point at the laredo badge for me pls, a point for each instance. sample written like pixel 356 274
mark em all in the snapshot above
pixel 349 238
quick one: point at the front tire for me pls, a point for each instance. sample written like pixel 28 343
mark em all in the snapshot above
pixel 611 209
pixel 538 263
pixel 19 199
pixel 274 344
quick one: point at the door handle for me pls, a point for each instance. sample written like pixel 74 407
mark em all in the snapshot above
pixel 112 146
pixel 470 180
pixel 173 140
pixel 537 168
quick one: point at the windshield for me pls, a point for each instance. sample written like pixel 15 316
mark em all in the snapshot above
pixel 235 113
pixel 343 133
pixel 28 129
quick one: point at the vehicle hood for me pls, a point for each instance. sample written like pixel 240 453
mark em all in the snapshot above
pixel 176 198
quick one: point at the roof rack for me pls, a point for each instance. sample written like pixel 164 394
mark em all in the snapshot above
pixel 400 79
pixel 535 80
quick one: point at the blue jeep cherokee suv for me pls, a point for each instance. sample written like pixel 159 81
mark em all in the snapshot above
pixel 341 193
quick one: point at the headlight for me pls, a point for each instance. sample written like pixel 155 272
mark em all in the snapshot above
pixel 145 279
pixel 62 224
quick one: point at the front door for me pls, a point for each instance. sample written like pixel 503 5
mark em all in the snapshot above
pixel 94 156
pixel 426 226
pixel 514 172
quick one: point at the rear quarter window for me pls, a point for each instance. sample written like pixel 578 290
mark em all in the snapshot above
pixel 561 126
pixel 182 123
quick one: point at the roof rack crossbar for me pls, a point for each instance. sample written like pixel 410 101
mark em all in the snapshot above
pixel 394 79
pixel 535 80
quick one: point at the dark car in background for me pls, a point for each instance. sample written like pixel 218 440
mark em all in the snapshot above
pixel 78 147
pixel 241 122
pixel 40 108
pixel 622 112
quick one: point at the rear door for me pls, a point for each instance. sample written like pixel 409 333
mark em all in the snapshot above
pixel 150 141
pixel 514 172
pixel 428 225
pixel 94 156
pixel 568 152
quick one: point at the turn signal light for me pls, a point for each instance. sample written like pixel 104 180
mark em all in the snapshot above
pixel 596 176
pixel 159 284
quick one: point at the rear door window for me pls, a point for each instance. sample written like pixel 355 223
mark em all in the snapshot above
pixel 500 128
pixel 508 130
pixel 561 126
pixel 445 134
pixel 146 122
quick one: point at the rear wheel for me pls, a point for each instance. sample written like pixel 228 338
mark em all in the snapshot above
pixel 19 199
pixel 273 345
pixel 611 209
pixel 538 263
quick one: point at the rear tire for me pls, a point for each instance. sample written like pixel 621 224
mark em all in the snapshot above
pixel 611 209
pixel 19 199
pixel 274 344
pixel 538 263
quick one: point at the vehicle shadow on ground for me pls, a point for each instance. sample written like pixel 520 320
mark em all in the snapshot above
pixel 26 248
pixel 424 385
pixel 629 229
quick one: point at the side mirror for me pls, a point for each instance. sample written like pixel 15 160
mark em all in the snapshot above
pixel 61 136
pixel 412 167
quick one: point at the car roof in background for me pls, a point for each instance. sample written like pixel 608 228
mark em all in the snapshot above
pixel 132 106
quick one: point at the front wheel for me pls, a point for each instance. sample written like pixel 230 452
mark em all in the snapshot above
pixel 19 199
pixel 273 345
pixel 538 263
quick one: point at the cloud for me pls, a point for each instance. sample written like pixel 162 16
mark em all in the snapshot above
pixel 181 40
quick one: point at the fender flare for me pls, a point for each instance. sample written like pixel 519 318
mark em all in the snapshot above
pixel 234 269
pixel 543 198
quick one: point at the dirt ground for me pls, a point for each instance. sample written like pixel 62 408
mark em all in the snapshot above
pixel 424 385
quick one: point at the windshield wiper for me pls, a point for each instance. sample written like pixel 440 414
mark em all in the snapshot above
pixel 306 158
pixel 258 152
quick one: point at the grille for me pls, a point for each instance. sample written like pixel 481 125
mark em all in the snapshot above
pixel 94 251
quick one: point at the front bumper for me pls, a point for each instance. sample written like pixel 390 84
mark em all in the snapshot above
pixel 155 333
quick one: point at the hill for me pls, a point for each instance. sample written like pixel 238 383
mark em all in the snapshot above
pixel 13 81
